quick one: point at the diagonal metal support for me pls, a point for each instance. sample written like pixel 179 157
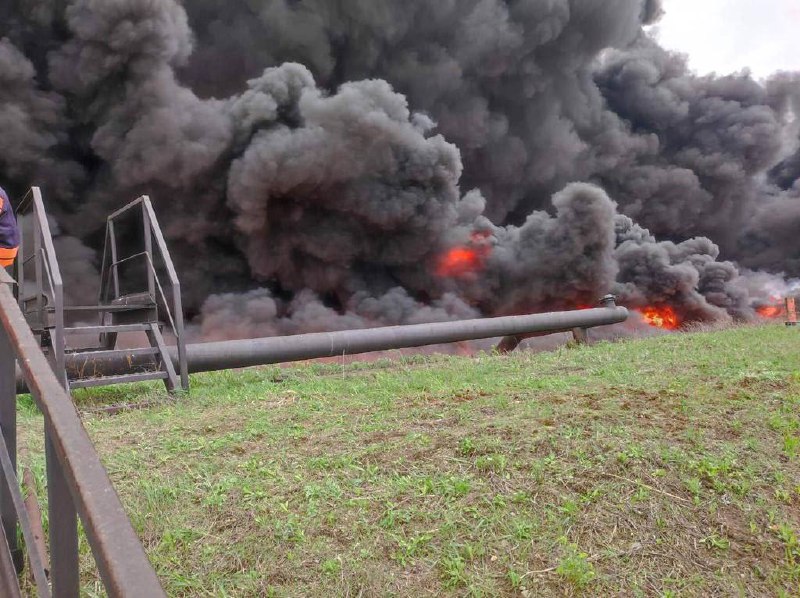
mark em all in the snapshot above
pixel 157 340
pixel 9 584
pixel 34 557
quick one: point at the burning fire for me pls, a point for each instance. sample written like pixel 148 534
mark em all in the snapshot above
pixel 771 310
pixel 661 317
pixel 462 261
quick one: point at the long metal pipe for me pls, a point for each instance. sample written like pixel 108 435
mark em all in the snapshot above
pixel 225 355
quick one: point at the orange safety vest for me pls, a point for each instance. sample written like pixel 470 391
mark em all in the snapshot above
pixel 7 221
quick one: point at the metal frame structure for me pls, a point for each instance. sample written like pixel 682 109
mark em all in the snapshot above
pixel 77 483
pixel 41 297
pixel 109 276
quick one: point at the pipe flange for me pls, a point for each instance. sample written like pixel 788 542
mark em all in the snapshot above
pixel 608 301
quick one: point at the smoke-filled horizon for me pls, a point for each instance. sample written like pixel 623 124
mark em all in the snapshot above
pixel 312 161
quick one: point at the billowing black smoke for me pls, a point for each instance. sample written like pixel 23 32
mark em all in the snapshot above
pixel 328 154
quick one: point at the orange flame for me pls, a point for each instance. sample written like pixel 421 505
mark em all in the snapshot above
pixel 457 262
pixel 462 261
pixel 661 317
pixel 770 311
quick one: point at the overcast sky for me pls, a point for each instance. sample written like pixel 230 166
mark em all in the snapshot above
pixel 724 36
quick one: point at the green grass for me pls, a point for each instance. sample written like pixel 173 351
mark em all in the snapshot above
pixel 662 467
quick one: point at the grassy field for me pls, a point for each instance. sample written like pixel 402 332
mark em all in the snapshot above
pixel 662 467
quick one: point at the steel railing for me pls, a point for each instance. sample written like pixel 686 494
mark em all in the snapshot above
pixel 47 283
pixel 110 277
pixel 77 483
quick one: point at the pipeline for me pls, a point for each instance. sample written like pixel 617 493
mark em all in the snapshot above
pixel 225 355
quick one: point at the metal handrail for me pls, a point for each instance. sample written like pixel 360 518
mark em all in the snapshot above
pixel 77 481
pixel 110 271
pixel 152 269
pixel 176 290
pixel 46 263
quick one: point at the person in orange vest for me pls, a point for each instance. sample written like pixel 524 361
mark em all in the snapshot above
pixel 9 232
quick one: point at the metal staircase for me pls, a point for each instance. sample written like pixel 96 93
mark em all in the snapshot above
pixel 131 300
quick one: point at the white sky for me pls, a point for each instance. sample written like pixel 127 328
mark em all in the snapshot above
pixel 725 36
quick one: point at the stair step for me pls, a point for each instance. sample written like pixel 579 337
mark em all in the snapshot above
pixel 100 353
pixel 108 328
pixel 111 380
pixel 105 308
pixel 134 299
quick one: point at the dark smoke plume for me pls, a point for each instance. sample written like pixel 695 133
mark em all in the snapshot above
pixel 311 161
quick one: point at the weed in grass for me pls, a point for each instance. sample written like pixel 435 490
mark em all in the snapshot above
pixel 575 567
pixel 591 496
pixel 694 436
pixel 216 493
pixel 717 542
pixel 539 467
pixel 569 508
pixel 499 502
pixel 782 495
pixel 494 463
pixel 410 548
pixel 426 486
pixel 752 444
pixel 290 530
pixel 467 447
pixel 453 486
pixel 642 494
pixel 523 498
pixel 332 567
pixel 772 515
pixel 394 517
pixel 632 453
pixel 453 566
pixel 791 445
pixel 514 579
pixel 522 530
pixel 695 486
pixel 791 544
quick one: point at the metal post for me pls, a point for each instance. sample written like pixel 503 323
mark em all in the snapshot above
pixel 580 335
pixel 59 344
pixel 183 364
pixel 37 263
pixel 148 247
pixel 62 514
pixel 102 295
pixel 8 424
pixel 63 521
pixel 114 265
pixel 19 271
